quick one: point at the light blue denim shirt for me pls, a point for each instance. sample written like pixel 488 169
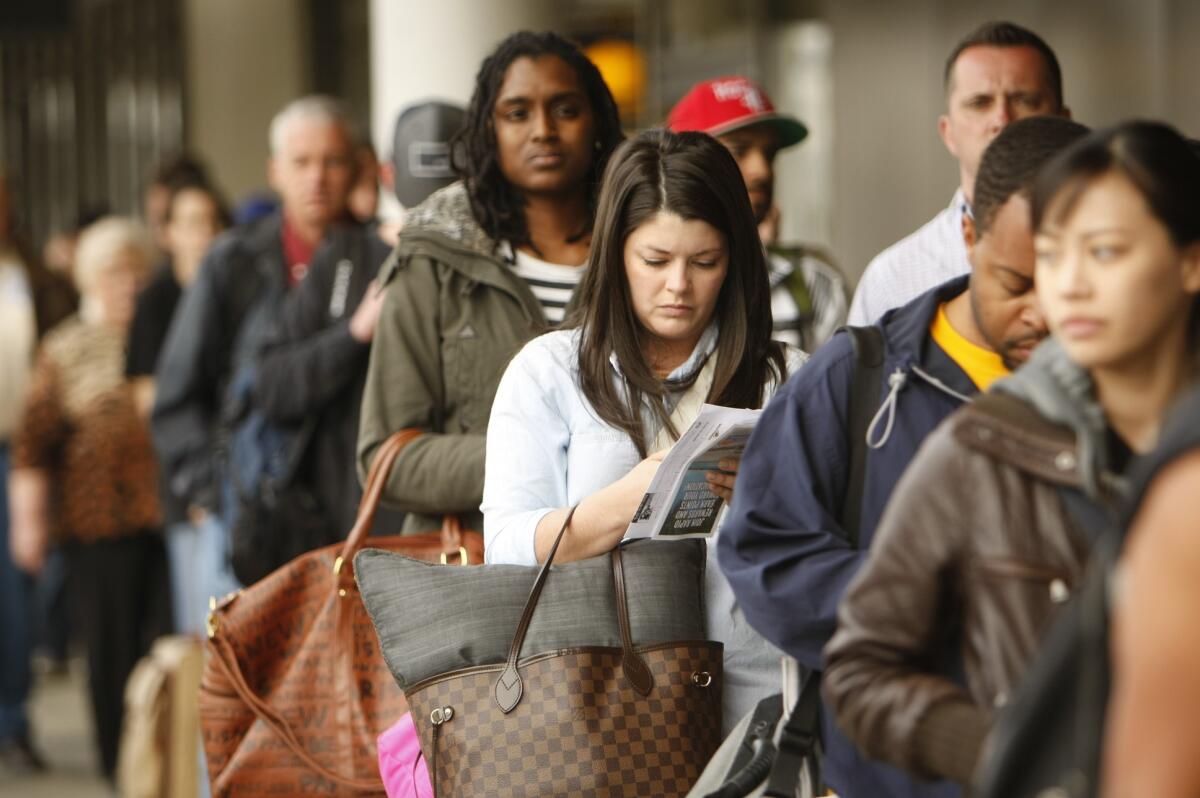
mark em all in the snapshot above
pixel 547 448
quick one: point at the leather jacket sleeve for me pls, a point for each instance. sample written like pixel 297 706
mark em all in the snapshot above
pixel 882 677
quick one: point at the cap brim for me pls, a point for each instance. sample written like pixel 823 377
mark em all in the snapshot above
pixel 790 129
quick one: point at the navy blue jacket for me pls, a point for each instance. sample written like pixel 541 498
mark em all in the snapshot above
pixel 781 545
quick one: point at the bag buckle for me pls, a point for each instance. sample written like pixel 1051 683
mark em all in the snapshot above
pixel 211 624
pixel 462 557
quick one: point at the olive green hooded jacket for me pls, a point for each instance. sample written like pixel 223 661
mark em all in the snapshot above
pixel 454 315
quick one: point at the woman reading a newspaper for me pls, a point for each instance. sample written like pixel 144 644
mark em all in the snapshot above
pixel 673 312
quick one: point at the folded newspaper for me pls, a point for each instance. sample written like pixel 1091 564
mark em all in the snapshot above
pixel 678 503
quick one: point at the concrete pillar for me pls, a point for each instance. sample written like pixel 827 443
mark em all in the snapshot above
pixel 422 51
pixel 245 61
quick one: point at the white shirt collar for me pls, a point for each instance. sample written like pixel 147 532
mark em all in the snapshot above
pixel 700 353
pixel 959 203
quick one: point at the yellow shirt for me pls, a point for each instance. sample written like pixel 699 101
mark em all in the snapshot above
pixel 983 366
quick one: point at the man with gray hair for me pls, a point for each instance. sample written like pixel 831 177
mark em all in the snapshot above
pixel 244 276
pixel 314 366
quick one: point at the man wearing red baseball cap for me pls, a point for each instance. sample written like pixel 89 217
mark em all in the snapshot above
pixel 808 296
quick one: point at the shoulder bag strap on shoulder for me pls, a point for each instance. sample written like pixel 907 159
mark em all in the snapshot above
pixel 373 488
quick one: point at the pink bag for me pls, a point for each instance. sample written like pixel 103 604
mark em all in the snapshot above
pixel 401 763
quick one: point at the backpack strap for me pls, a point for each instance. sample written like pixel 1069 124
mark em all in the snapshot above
pixel 798 745
pixel 864 401
pixel 763 721
pixel 756 753
pixel 801 735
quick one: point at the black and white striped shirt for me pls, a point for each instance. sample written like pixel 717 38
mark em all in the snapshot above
pixel 551 283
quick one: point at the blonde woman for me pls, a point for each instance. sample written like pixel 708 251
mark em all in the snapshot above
pixel 83 468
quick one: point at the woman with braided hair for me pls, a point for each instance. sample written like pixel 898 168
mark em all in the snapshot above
pixel 484 265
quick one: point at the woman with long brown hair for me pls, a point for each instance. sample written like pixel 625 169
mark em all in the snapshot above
pixel 673 312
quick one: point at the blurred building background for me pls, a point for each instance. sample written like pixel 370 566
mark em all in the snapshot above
pixel 95 92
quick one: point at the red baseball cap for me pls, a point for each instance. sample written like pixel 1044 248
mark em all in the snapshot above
pixel 727 104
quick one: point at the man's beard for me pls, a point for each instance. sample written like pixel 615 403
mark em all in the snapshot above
pixel 1011 345
pixel 761 207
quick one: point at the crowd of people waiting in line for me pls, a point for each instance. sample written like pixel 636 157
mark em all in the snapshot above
pixel 558 305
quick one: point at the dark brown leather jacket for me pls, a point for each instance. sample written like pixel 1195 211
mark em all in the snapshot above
pixel 977 546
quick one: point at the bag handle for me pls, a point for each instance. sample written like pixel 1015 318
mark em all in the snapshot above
pixel 509 687
pixel 377 480
pixel 632 664
pixel 226 659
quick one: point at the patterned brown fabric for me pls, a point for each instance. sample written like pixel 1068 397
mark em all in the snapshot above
pixel 587 720
pixel 295 690
pixel 81 425
pixel 319 693
pixel 580 728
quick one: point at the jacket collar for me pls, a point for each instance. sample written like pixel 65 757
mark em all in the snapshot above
pixel 1060 392
pixel 265 234
pixel 1009 429
pixel 447 214
pixel 681 377
pixel 907 341
pixel 909 353
pixel 444 226
pixel 263 239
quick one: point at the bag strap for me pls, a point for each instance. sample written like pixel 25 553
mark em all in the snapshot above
pixel 226 659
pixel 756 754
pixel 800 735
pixel 864 402
pixel 632 665
pixel 798 745
pixel 376 484
pixel 508 687
pixel 1090 516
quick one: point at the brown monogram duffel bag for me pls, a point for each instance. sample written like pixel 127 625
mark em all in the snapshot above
pixel 295 690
